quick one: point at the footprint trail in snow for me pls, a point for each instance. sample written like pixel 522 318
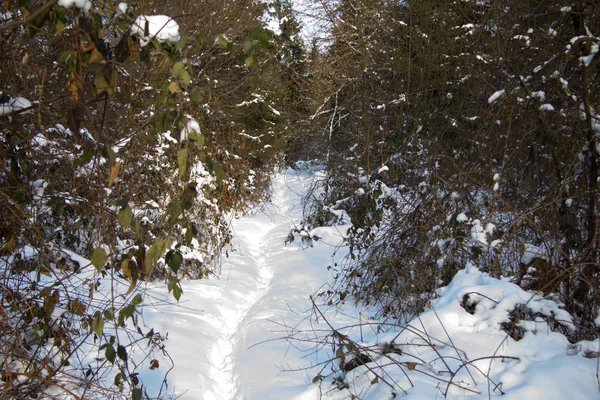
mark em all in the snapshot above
pixel 221 335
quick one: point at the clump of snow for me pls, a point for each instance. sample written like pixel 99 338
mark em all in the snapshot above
pixel 539 94
pixel 191 126
pixel 161 27
pixel 547 107
pixel 384 168
pixel 462 217
pixel 495 96
pixel 16 104
pixel 122 8
pixel 84 5
pixel 530 252
pixel 5 16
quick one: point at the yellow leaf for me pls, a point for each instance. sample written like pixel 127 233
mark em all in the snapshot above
pixel 89 47
pixel 125 267
pixel 173 87
pixel 114 170
pixel 73 88
pixel 10 245
pixel 96 55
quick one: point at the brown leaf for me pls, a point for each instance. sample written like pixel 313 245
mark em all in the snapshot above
pixel 411 365
pixel 114 170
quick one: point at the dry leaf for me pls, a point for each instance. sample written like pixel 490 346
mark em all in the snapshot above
pixel 114 170
pixel 96 55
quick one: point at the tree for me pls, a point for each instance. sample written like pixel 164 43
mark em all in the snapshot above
pixel 120 139
pixel 484 110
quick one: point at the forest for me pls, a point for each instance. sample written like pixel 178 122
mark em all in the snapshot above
pixel 450 133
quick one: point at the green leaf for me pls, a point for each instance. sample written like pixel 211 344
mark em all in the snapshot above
pixel 174 259
pixel 263 37
pixel 153 254
pixel 198 96
pixel 476 251
pixel 98 324
pixel 145 54
pixel 182 41
pixel 100 83
pixel 226 44
pixel 110 353
pixel 197 138
pixel 108 314
pixel 86 156
pixel 99 258
pixel 184 79
pixel 125 216
pixel 122 203
pixel 219 173
pixel 182 163
pixel 177 291
pixel 122 352
pixel 177 69
pixel 109 154
pixel 249 47
pixel 126 312
pixel 136 394
pixel 189 235
pixel 175 209
pixel 249 61
pixel 174 287
pixel 137 299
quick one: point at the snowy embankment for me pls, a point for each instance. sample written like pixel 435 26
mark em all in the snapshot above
pixel 227 336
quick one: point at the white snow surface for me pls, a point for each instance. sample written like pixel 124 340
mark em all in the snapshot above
pixel 226 336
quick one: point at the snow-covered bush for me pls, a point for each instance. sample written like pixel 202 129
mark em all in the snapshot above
pixel 444 150
pixel 128 137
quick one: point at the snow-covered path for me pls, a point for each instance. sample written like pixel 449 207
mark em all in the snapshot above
pixel 226 337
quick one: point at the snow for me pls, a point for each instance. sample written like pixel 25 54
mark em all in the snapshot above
pixel 462 217
pixel 547 107
pixel 122 7
pixel 84 5
pixel 191 126
pixel 495 96
pixel 161 27
pixel 252 334
pixel 234 326
pixel 16 104
pixel 531 252
pixel 458 347
pixel 227 337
